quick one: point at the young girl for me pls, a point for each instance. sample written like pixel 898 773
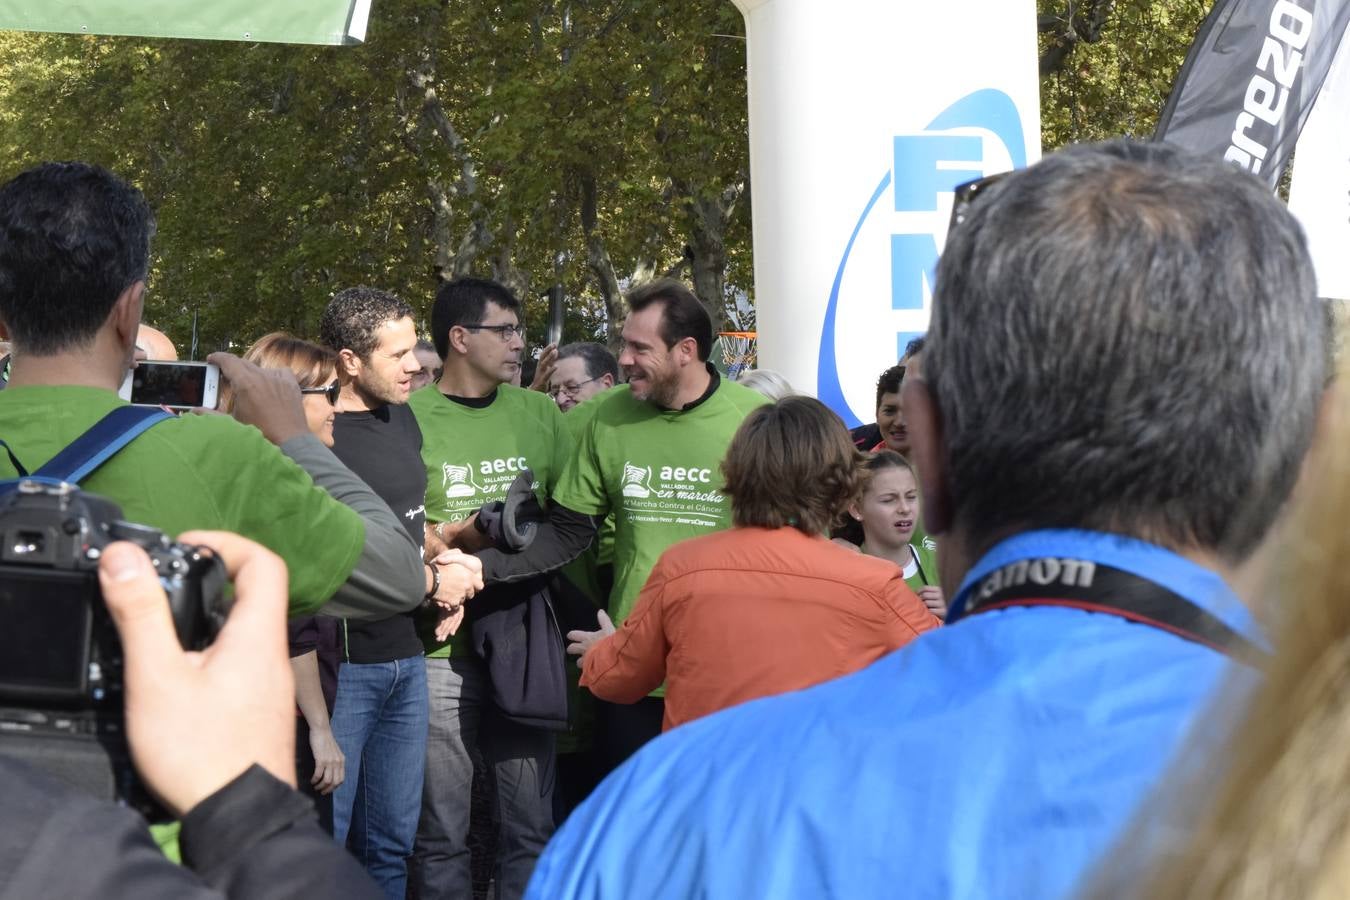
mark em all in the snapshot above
pixel 888 512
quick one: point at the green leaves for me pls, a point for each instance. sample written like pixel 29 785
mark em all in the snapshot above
pixel 536 142
pixel 1114 62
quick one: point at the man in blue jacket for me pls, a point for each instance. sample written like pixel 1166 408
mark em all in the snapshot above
pixel 1120 383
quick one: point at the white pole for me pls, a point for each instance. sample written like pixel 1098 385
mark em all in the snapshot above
pixel 1320 193
pixel 863 116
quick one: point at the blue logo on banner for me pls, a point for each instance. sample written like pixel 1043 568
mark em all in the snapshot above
pixel 917 181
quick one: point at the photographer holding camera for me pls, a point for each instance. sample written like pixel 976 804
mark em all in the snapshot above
pixel 74 258
pixel 212 736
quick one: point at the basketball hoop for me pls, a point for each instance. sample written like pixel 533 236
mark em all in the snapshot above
pixel 738 351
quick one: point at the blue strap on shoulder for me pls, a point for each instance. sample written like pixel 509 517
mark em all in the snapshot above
pixel 93 448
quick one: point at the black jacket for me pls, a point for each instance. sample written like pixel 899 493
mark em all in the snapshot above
pixel 512 626
pixel 254 838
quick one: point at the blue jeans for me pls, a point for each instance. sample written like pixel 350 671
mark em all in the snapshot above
pixel 380 722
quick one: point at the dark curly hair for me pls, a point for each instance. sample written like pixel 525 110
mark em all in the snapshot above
pixel 791 463
pixel 353 318
pixel 889 382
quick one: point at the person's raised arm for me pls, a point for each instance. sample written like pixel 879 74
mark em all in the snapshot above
pixel 388 577
pixel 626 665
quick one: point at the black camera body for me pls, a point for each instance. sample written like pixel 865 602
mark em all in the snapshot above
pixel 60 657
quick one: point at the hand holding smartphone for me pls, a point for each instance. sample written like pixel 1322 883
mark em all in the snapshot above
pixel 176 385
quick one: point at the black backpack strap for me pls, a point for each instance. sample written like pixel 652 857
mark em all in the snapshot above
pixel 14 460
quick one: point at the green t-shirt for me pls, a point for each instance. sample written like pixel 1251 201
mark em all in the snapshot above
pixel 584 573
pixel 925 572
pixel 584 570
pixel 197 472
pixel 659 472
pixel 472 456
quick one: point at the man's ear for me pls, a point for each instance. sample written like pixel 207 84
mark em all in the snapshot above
pixel 125 317
pixel 457 340
pixel 687 348
pixel 607 380
pixel 926 441
pixel 349 364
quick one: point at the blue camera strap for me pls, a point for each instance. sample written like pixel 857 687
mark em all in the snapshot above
pixel 91 449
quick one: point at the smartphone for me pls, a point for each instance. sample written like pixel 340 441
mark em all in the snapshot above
pixel 177 385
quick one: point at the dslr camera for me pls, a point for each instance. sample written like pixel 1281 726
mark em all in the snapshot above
pixel 60 657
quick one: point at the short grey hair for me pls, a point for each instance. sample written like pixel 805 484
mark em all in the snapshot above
pixel 1126 338
pixel 767 382
pixel 597 357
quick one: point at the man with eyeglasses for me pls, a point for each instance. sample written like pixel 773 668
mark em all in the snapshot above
pixel 380 716
pixel 582 371
pixel 479 434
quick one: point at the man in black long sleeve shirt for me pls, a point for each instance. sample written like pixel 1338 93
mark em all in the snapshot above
pixel 380 717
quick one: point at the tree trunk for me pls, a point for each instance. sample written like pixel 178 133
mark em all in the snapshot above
pixel 452 257
pixel 706 252
pixel 504 268
pixel 1081 22
pixel 600 264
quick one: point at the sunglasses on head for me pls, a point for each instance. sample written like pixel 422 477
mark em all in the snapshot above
pixel 330 391
pixel 966 195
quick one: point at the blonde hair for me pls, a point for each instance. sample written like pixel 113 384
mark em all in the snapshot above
pixel 1278 824
pixel 311 363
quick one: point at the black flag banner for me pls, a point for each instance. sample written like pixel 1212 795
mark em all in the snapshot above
pixel 1250 80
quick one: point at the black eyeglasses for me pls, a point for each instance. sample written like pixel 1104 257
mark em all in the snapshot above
pixel 571 389
pixel 331 391
pixel 968 193
pixel 505 332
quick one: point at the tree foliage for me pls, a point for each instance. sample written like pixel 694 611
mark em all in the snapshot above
pixel 534 141
pixel 1107 66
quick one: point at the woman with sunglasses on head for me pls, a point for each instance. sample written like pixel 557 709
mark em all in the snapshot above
pixel 888 513
pixel 314 647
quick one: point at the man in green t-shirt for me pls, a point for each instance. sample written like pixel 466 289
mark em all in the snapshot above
pixel 478 434
pixel 74 253
pixel 651 455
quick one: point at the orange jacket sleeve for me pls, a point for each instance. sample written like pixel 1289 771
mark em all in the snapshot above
pixel 914 616
pixel 631 663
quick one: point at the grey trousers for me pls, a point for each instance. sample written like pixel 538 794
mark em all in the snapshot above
pixel 520 764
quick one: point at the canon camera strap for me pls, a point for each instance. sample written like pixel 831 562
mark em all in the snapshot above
pixel 1100 588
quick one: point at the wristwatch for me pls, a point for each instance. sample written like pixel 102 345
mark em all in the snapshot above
pixel 435 582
